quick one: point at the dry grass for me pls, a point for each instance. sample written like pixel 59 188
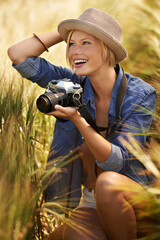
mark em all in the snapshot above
pixel 25 134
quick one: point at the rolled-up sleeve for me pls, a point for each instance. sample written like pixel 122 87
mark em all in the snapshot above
pixel 114 162
pixel 40 71
pixel 136 121
pixel 29 67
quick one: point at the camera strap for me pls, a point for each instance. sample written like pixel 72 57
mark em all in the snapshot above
pixel 85 113
pixel 120 97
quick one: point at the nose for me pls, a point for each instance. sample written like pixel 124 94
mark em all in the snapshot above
pixel 76 49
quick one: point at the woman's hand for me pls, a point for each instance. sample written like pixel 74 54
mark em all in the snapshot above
pixel 64 112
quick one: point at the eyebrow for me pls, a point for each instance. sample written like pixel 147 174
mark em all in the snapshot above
pixel 83 39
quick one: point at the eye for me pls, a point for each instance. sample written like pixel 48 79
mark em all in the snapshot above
pixel 71 44
pixel 86 43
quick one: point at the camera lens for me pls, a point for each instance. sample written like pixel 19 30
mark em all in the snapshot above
pixel 43 104
pixel 46 102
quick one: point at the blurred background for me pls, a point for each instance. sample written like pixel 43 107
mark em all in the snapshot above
pixel 139 19
pixel 25 134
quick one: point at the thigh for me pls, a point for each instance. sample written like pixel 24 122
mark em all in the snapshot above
pixel 84 224
pixel 112 184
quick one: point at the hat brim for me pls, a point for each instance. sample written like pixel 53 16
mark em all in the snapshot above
pixel 66 26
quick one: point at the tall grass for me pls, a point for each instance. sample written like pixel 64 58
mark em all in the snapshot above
pixel 25 133
pixel 17 162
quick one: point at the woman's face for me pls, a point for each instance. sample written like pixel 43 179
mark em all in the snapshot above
pixel 85 54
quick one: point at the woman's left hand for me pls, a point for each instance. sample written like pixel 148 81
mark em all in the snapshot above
pixel 64 112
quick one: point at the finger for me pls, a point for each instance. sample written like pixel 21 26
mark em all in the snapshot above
pixel 58 108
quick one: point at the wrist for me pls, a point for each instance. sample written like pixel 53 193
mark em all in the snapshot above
pixel 39 39
pixel 76 117
pixel 78 120
pixel 50 38
pixel 56 37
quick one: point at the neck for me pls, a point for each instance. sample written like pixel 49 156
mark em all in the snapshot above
pixel 103 83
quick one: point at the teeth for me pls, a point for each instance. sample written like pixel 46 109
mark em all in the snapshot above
pixel 80 61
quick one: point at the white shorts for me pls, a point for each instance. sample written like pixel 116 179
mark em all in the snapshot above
pixel 88 199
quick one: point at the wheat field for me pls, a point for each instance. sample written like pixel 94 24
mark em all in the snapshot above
pixel 26 134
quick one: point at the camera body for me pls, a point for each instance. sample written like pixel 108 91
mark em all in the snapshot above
pixel 63 92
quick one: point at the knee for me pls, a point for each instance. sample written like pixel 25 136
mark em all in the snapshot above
pixel 107 179
pixel 106 185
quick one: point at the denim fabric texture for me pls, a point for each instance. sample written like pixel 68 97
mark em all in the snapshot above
pixel 134 120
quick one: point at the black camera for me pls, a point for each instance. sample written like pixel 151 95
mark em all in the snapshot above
pixel 63 92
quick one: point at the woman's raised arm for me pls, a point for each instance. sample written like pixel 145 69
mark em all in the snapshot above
pixel 33 46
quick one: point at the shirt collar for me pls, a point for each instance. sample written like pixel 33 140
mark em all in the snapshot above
pixel 88 91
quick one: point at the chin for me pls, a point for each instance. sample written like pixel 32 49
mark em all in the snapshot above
pixel 81 73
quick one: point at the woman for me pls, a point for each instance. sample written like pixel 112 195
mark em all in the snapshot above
pixel 94 50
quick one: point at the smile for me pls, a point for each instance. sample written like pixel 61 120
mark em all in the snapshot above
pixel 79 62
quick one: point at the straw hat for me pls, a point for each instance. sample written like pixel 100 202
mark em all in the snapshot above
pixel 99 24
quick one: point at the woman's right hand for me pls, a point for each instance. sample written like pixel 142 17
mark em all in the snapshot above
pixel 64 112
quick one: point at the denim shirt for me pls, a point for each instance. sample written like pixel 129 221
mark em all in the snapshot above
pixel 134 119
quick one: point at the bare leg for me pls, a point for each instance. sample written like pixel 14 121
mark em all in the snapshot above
pixel 84 224
pixel 114 210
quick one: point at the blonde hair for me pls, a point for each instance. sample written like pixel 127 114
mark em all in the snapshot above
pixel 108 54
pixel 67 49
